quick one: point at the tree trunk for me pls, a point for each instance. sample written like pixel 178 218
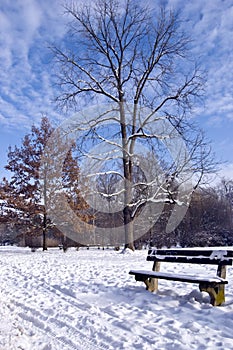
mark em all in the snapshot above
pixel 64 243
pixel 44 231
pixel 128 224
pixel 129 237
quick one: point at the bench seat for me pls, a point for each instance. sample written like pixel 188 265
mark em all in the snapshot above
pixel 141 275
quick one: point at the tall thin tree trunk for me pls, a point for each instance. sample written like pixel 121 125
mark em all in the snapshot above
pixel 45 213
pixel 44 232
pixel 129 239
pixel 129 234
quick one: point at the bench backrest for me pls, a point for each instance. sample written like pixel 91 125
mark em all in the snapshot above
pixel 191 256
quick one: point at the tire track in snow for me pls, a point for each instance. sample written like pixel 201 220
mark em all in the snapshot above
pixel 38 319
pixel 48 325
pixel 112 332
pixel 50 331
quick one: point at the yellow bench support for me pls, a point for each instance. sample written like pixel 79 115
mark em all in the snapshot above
pixel 216 292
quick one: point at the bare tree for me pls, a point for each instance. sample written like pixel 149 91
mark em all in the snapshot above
pixel 136 57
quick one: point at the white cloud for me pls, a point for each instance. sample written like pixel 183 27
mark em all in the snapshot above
pixel 27 26
pixel 210 26
pixel 26 88
pixel 226 172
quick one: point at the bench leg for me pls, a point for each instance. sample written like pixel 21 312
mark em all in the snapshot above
pixel 216 292
pixel 152 283
pixel 222 271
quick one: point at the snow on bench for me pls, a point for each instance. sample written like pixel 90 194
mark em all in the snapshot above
pixel 214 285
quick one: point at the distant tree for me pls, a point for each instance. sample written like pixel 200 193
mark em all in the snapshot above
pixel 208 221
pixel 74 199
pixel 28 193
pixel 225 191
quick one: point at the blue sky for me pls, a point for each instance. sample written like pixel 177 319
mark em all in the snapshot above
pixel 27 90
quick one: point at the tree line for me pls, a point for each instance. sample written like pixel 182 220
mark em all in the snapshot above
pixel 24 194
pixel 208 220
pixel 132 65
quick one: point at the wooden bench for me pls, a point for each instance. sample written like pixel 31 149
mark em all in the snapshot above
pixel 214 285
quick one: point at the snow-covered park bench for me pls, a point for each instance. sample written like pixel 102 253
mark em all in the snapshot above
pixel 214 285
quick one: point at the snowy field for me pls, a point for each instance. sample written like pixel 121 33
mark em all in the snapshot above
pixel 87 300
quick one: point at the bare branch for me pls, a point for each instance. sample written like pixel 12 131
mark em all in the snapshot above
pixel 136 57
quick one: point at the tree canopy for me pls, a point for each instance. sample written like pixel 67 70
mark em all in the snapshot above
pixel 30 190
pixel 138 59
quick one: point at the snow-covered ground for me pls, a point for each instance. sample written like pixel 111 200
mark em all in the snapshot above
pixel 87 300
